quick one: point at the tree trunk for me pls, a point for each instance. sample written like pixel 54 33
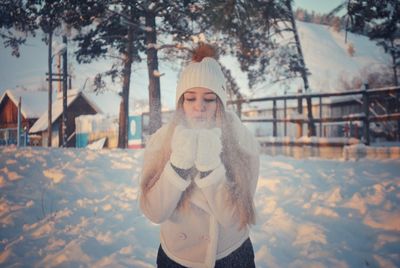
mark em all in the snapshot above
pixel 311 125
pixel 50 89
pixel 396 84
pixel 121 120
pixel 154 80
pixel 124 106
pixel 394 60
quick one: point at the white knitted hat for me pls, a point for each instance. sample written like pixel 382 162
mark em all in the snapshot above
pixel 206 73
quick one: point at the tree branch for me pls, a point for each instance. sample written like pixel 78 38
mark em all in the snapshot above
pixel 177 46
pixel 127 20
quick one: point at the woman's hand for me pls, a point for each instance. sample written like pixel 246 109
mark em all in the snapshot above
pixel 183 147
pixel 209 148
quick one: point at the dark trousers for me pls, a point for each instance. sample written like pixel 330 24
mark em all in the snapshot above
pixel 243 257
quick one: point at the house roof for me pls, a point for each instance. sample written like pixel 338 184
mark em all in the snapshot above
pixel 33 103
pixel 57 107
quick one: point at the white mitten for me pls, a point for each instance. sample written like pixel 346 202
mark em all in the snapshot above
pixel 183 147
pixel 209 148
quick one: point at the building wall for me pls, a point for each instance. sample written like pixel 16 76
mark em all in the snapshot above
pixel 9 115
pixel 9 122
pixel 54 136
pixel 347 108
pixel 79 107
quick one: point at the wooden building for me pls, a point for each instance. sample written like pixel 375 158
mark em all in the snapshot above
pixel 33 104
pixel 77 104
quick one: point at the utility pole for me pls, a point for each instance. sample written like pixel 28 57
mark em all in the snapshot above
pixel 19 123
pixel 64 98
pixel 59 77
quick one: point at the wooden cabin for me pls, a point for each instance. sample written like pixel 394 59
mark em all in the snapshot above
pixel 33 104
pixel 77 104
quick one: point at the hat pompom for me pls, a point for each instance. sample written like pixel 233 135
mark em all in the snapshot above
pixel 203 51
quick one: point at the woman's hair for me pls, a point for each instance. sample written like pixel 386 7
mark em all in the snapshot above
pixel 237 163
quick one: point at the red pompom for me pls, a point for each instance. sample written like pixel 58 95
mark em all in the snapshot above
pixel 202 51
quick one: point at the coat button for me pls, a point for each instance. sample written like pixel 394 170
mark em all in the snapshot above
pixel 182 236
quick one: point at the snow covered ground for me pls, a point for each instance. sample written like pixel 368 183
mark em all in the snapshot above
pixel 78 208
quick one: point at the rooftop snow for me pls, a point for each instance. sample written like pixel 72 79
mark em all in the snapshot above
pixel 42 123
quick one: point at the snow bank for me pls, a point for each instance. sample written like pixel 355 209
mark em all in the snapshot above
pixel 359 151
pixel 328 148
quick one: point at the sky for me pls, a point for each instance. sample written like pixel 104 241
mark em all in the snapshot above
pixel 29 70
pixel 319 6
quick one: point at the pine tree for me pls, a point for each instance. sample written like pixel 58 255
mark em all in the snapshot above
pixel 380 21
pixel 28 18
pixel 110 26
pixel 248 29
pixel 129 27
pixel 15 16
pixel 175 17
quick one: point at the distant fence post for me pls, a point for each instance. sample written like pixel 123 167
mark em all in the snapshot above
pixel 285 117
pixel 366 115
pixel 320 116
pixel 274 127
pixel 398 110
pixel 299 111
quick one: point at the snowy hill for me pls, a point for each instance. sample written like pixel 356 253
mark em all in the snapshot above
pixel 326 55
pixel 79 208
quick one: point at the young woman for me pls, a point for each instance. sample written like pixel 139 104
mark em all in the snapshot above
pixel 200 173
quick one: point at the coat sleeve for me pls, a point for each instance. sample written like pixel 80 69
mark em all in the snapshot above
pixel 161 200
pixel 216 190
pixel 214 185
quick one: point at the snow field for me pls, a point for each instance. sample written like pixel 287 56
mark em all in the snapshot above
pixel 77 207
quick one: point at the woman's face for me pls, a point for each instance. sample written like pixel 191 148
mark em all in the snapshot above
pixel 200 106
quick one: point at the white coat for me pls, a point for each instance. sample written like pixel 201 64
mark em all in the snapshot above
pixel 208 230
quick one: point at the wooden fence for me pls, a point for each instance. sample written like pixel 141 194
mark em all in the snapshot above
pixel 365 116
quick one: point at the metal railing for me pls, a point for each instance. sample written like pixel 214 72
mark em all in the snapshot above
pixel 365 116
